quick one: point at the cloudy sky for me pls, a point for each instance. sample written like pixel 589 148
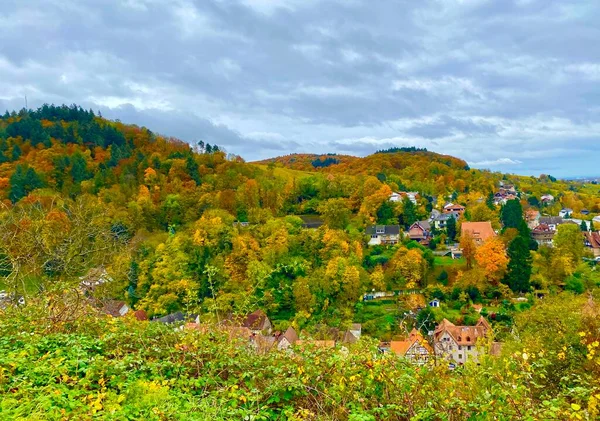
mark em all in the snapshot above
pixel 511 85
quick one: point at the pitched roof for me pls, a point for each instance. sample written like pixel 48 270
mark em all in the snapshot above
pixel 255 320
pixel 551 220
pixel 400 347
pixel 425 224
pixel 463 335
pixel 172 318
pixel 349 338
pixel 593 239
pixel 290 334
pixel 541 228
pixel 141 315
pixel 113 307
pixel 387 229
pixel 479 230
pixel 483 322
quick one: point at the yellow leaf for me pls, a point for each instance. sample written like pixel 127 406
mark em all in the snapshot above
pixel 575 407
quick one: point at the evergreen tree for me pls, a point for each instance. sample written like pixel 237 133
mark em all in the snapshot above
pixel 193 169
pixel 32 180
pixel 511 214
pixel 519 265
pixel 17 185
pixel 385 212
pixel 79 170
pixel 409 213
pixel 490 201
pixel 16 153
pixel 584 226
pixel 451 228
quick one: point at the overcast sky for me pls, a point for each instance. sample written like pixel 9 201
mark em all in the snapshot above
pixel 511 85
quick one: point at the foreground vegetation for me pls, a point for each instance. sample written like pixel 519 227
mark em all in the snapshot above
pixel 57 364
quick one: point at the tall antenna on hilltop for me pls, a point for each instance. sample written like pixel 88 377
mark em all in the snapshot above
pixel 26 103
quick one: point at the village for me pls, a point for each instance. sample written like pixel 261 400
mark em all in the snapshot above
pixel 446 342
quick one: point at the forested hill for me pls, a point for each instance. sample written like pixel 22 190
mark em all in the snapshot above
pixel 386 160
pixel 79 193
pixel 73 151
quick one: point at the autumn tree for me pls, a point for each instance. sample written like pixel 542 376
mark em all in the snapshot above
pixel 469 248
pixel 568 244
pixel 336 213
pixel 491 257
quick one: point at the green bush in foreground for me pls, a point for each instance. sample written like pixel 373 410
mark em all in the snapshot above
pixel 88 367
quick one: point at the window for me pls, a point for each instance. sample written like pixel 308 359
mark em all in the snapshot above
pixel 459 347
pixel 380 230
pixel 374 236
pixel 460 356
pixel 469 347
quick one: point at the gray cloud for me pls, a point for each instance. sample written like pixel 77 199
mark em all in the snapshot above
pixel 491 82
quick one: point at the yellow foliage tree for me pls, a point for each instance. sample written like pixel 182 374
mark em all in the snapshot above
pixel 491 257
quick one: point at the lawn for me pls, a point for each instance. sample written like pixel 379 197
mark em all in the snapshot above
pixel 448 261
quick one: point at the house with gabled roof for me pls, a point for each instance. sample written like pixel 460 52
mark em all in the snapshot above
pixel 480 231
pixel 257 322
pixel 460 343
pixel 400 196
pixel 441 221
pixel 115 308
pixel 565 212
pixel 547 199
pixel 383 234
pixel 414 348
pixel 287 339
pixel 420 231
pixel 543 234
pixel 552 221
pixel 454 208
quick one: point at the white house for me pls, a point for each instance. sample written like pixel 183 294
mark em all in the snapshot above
pixel 434 303
pixel 383 234
pixel 395 197
pixel 565 212
pixel 460 343
pixel 399 197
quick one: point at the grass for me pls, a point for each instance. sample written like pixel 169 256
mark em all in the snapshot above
pixel 448 261
pixel 378 318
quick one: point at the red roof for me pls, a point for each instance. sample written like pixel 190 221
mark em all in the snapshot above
pixel 479 230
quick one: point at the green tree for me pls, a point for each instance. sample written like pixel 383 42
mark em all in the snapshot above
pixel 336 213
pixel 79 170
pixel 409 212
pixel 569 244
pixel 385 213
pixel 451 228
pixel 511 214
pixel 583 226
pixel 519 265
